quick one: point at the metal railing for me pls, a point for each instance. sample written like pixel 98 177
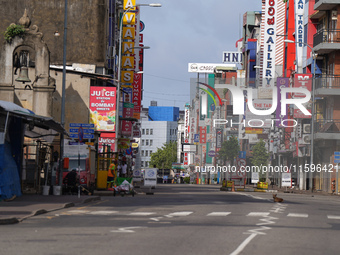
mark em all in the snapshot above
pixel 327 82
pixel 326 36
pixel 327 126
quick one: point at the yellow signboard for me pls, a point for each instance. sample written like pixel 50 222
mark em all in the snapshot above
pixel 128 48
pixel 128 62
pixel 127 77
pixel 128 33
pixel 129 3
pixel 250 130
pixel 129 18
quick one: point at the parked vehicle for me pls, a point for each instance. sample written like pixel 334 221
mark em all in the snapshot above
pixel 82 159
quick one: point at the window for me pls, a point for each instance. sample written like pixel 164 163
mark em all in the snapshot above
pixel 146 153
pixel 150 153
pixel 146 142
pixel 151 142
pixel 151 131
pixel 146 163
pixel 147 131
pixel 142 142
pixel 142 163
pixel 142 153
pixel 143 131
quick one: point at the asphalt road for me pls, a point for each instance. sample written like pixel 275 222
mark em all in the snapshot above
pixel 183 219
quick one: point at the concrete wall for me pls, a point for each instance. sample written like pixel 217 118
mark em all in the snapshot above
pixel 86 36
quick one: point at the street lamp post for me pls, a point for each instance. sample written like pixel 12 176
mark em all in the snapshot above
pixel 119 67
pixel 313 111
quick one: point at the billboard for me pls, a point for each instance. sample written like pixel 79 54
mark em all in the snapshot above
pixel 103 108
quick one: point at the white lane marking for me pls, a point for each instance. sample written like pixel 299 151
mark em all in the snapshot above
pixel 178 214
pixel 333 217
pixel 258 214
pixel 102 212
pixel 141 213
pixel 78 211
pixel 243 244
pixel 219 214
pixel 125 230
pixel 156 218
pixel 299 215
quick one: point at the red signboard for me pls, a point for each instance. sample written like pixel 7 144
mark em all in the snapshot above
pixel 103 108
pixel 203 134
pixel 107 139
pixel 136 93
pixel 303 81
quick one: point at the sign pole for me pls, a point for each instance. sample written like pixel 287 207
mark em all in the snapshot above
pixel 337 179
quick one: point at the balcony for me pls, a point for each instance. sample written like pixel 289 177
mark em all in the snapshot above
pixel 327 130
pixel 327 85
pixel 326 41
pixel 324 5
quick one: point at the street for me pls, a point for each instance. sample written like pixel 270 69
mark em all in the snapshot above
pixel 183 219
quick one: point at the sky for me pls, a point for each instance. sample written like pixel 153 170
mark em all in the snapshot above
pixel 182 32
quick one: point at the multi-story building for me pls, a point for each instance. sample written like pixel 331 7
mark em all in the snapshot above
pixel 159 125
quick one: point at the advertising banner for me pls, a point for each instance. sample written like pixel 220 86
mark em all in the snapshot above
pixel 203 134
pixel 303 81
pixel 137 94
pixel 281 83
pixel 103 108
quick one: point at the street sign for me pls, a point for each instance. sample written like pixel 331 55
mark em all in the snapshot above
pixel 337 153
pixel 336 157
pixel 150 177
pixel 80 134
pixel 83 125
pixel 211 153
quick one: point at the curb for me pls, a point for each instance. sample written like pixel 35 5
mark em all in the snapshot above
pixel 15 220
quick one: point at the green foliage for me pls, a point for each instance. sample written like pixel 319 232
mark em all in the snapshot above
pixel 285 1
pixel 229 150
pixel 165 156
pixel 12 31
pixel 186 179
pixel 260 155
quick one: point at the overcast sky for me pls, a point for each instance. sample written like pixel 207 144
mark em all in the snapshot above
pixel 182 32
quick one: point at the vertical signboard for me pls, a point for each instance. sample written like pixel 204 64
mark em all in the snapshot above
pixel 269 43
pixel 127 113
pixel 281 83
pixel 186 124
pixel 303 81
pixel 203 134
pixel 137 95
pixel 103 108
pixel 299 32
pixel 219 137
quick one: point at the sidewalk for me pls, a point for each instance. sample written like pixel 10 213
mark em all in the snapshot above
pixel 29 205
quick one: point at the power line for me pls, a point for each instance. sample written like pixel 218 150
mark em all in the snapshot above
pixel 166 99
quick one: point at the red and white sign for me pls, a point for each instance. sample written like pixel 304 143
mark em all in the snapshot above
pixel 203 134
pixel 186 123
pixel 107 139
pixel 103 108
pixel 186 159
pixel 137 93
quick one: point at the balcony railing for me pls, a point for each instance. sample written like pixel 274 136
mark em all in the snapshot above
pixel 326 36
pixel 327 82
pixel 327 126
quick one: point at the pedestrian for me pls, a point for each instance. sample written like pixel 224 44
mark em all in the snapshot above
pixel 111 174
pixel 71 182
pixel 124 169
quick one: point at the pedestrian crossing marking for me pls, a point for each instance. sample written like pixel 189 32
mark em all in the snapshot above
pixel 333 217
pixel 299 215
pixel 102 212
pixel 141 213
pixel 78 211
pixel 179 214
pixel 258 214
pixel 219 214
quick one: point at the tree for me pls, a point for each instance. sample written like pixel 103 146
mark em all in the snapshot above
pixel 229 150
pixel 260 156
pixel 165 156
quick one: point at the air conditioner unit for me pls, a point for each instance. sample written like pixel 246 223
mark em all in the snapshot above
pixel 305 139
pixel 306 128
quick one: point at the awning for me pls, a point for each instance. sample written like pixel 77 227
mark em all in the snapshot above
pixel 40 125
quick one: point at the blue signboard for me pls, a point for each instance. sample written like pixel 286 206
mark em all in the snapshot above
pixel 196 138
pixel 84 125
pixel 242 154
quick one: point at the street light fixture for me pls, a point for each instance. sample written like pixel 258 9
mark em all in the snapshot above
pixel 313 110
pixel 119 66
